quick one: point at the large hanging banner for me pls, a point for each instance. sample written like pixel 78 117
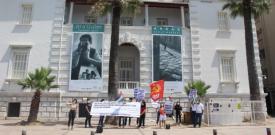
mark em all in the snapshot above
pixel 167 57
pixel 86 58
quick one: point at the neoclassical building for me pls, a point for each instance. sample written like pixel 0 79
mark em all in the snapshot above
pixel 175 40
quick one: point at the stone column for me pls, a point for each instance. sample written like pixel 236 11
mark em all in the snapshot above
pixel 108 18
pixel 182 16
pixel 146 15
pixel 71 12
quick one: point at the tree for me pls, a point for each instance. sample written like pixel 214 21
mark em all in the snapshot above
pixel 102 7
pixel 40 80
pixel 200 86
pixel 247 9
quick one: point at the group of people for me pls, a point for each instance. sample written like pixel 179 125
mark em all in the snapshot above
pixel 72 113
pixel 197 109
pixel 162 115
pixel 73 105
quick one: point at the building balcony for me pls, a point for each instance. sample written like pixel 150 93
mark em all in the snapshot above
pixel 150 14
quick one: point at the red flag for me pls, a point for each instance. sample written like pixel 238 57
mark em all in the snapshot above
pixel 157 89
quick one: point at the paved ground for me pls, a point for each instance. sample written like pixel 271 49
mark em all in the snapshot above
pixel 9 127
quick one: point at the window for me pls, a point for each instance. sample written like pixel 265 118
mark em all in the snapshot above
pixel 223 21
pixel 126 66
pixel 90 19
pixel 19 62
pixel 26 14
pixel 126 21
pixel 227 67
pixel 162 21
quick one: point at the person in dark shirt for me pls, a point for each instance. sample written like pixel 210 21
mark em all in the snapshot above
pixel 87 113
pixel 142 114
pixel 101 117
pixel 178 109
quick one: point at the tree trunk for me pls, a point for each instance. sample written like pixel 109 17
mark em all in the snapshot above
pixel 34 107
pixel 113 82
pixel 255 94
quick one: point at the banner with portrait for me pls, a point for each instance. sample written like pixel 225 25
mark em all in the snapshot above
pixel 86 58
pixel 167 57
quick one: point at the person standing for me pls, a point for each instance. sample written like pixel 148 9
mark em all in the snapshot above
pixel 199 112
pixel 157 110
pixel 72 113
pixel 142 114
pixel 178 109
pixel 129 121
pixel 162 116
pixel 193 113
pixel 101 117
pixel 87 113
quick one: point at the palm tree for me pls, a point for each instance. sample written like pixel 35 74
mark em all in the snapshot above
pixel 40 80
pixel 102 7
pixel 200 86
pixel 249 9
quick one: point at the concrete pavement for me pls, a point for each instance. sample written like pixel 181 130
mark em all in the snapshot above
pixel 9 127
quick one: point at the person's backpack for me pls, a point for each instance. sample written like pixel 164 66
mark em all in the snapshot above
pixel 167 126
pixel 99 129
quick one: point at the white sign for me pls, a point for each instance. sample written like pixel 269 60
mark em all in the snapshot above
pixel 192 94
pixel 155 104
pixel 128 109
pixel 168 107
pixel 139 94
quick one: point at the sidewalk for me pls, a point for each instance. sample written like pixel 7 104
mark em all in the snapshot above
pixel 9 127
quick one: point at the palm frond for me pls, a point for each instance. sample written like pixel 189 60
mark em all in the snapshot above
pixel 39 80
pixel 131 7
pixel 102 7
pixel 200 86
pixel 236 7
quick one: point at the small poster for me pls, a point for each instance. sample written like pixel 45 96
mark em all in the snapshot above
pixel 139 94
pixel 168 107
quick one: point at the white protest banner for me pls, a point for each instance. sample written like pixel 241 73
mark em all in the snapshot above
pixel 129 109
pixel 168 107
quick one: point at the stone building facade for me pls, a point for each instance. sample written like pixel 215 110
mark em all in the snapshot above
pixel 212 49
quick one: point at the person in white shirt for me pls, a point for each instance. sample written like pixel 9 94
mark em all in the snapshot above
pixel 199 112
pixel 193 112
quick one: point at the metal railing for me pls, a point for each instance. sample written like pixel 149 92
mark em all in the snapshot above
pixel 128 84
